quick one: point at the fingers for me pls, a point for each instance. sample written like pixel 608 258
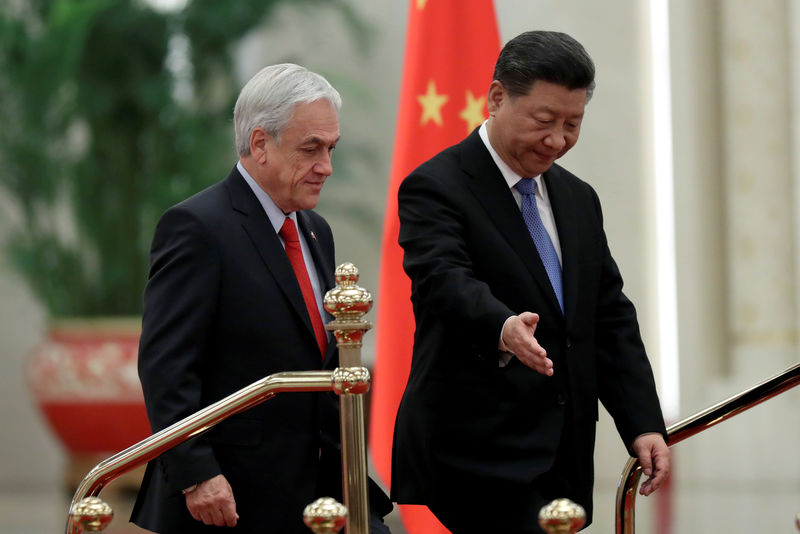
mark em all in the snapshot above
pixel 653 483
pixel 216 513
pixel 530 319
pixel 660 472
pixel 227 516
pixel 654 456
pixel 646 462
pixel 538 362
pixel 519 339
pixel 531 353
pixel 213 503
pixel 219 518
pixel 213 516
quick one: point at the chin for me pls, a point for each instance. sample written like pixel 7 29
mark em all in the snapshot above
pixel 534 171
pixel 310 204
pixel 543 167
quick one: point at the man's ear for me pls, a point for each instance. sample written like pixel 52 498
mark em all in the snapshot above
pixel 259 141
pixel 497 94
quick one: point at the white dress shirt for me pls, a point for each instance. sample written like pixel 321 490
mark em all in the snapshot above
pixel 545 213
pixel 542 199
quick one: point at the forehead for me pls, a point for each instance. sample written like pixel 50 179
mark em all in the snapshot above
pixel 555 98
pixel 314 119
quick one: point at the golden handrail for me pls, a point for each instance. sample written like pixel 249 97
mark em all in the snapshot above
pixel 196 424
pixel 348 303
pixel 701 421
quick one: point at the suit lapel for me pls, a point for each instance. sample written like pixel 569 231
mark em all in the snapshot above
pixel 489 186
pixel 260 231
pixel 325 275
pixel 320 259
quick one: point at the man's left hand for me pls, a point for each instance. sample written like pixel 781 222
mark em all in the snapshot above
pixel 654 455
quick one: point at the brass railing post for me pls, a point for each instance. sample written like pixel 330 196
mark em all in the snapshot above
pixel 348 303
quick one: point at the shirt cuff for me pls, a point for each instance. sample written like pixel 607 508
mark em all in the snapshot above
pixel 505 355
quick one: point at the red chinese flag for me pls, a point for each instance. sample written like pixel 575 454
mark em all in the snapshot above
pixel 451 48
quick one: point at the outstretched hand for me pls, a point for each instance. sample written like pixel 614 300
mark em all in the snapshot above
pixel 518 337
pixel 654 455
pixel 212 502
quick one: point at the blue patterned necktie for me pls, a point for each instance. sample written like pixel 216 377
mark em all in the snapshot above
pixel 547 252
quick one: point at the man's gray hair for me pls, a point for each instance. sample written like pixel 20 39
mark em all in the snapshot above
pixel 268 100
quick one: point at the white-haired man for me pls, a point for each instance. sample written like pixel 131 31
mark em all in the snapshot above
pixel 235 291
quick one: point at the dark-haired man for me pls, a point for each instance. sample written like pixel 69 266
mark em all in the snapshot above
pixel 521 321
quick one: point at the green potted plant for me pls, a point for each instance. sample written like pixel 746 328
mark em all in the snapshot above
pixel 112 111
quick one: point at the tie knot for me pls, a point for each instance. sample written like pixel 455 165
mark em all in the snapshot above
pixel 289 231
pixel 526 186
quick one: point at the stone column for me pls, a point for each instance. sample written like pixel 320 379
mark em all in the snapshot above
pixel 757 178
pixel 746 469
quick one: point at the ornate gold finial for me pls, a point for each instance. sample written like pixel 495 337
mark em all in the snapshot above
pixel 348 303
pixel 562 516
pixel 347 300
pixel 92 514
pixel 325 516
pixel 351 380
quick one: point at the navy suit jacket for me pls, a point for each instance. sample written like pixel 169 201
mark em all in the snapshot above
pixel 223 309
pixel 464 422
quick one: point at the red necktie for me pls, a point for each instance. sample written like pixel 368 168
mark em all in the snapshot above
pixel 289 234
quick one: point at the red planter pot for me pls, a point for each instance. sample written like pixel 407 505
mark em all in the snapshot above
pixel 84 380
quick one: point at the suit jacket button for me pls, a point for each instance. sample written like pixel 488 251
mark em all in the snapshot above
pixel 569 343
pixel 561 399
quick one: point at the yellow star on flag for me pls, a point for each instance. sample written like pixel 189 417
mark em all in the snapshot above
pixel 473 112
pixel 432 103
pixel 421 4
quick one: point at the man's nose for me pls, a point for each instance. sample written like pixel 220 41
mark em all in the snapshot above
pixel 556 140
pixel 324 165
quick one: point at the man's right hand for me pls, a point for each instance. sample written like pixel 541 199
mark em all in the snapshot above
pixel 212 502
pixel 518 338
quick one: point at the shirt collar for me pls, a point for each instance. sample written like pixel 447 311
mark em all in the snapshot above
pixel 509 175
pixel 275 214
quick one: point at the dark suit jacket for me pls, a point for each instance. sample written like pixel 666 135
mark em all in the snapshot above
pixel 223 309
pixel 464 422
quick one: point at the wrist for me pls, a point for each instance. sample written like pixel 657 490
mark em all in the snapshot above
pixel 189 489
pixel 502 345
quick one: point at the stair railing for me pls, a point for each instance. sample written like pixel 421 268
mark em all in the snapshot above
pixel 348 303
pixel 701 421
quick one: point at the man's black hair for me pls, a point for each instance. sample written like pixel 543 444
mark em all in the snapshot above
pixel 553 57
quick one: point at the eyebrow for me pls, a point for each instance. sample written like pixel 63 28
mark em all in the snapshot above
pixel 548 109
pixel 316 140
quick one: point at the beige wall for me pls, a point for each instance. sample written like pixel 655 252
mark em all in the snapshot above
pixel 719 474
pixel 735 89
